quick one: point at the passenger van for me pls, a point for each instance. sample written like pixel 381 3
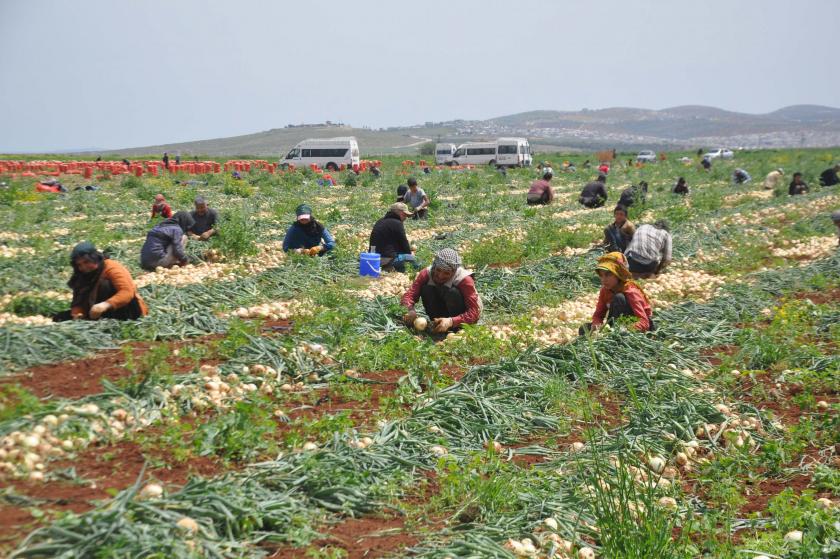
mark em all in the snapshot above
pixel 327 153
pixel 444 153
pixel 503 152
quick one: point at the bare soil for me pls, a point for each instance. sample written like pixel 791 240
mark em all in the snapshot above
pixel 83 377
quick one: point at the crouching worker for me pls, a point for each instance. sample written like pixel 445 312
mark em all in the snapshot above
pixel 307 234
pixel 102 288
pixel 619 296
pixel 448 293
pixel 164 246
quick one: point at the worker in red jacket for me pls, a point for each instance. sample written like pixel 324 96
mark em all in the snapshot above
pixel 448 293
pixel 161 208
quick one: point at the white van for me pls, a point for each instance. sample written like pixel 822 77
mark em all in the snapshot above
pixel 513 152
pixel 444 153
pixel 327 153
pixel 504 152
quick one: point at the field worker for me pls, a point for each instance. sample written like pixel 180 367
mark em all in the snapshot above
pixel 740 176
pixel 447 291
pixel 164 246
pixel 102 288
pixel 417 199
pixel 594 194
pixel 387 238
pixel 829 176
pixel 204 219
pixel 160 207
pixel 797 185
pixel 165 160
pixel 636 193
pixel 619 296
pixel 307 233
pixel 835 217
pixel 618 234
pixel 374 170
pixel 681 187
pixel 649 252
pixel 774 179
pixel 541 192
pixel 706 163
pixel 401 192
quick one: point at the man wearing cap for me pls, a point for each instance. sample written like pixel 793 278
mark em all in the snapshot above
pixel 306 233
pixel 205 219
pixel 774 179
pixel 389 241
pixel 447 291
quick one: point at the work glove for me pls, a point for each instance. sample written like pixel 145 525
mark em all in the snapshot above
pixel 99 309
pixel 409 318
pixel 442 325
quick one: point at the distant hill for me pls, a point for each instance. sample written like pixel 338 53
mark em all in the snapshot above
pixel 683 127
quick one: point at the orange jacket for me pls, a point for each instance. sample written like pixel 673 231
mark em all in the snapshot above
pixel 121 279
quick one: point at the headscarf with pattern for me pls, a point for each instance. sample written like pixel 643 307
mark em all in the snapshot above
pixel 446 259
pixel 616 264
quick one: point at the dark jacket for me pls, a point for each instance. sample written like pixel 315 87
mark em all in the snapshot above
pixel 829 177
pixel 388 236
pixel 158 241
pixel 308 236
pixel 593 190
pixel 795 189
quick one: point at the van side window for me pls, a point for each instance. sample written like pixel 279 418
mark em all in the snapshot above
pixel 306 153
pixel 507 149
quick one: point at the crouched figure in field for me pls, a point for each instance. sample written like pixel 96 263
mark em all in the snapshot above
pixel 102 288
pixel 619 297
pixel 448 293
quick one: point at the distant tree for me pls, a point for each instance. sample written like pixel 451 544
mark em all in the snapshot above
pixel 427 149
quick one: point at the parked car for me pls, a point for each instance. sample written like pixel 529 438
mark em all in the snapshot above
pixel 719 153
pixel 646 156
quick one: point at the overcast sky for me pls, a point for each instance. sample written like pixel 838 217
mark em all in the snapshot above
pixel 126 73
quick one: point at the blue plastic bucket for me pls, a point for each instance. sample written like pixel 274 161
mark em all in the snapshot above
pixel 369 264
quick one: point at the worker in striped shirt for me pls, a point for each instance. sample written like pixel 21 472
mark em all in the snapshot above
pixel 649 252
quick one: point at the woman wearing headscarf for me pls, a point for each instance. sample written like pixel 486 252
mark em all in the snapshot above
pixel 447 291
pixel 619 296
pixel 102 288
pixel 307 233
pixel 164 246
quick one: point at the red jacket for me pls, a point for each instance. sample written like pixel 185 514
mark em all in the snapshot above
pixel 163 209
pixel 466 287
pixel 636 300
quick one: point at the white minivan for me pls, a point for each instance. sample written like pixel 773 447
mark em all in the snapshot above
pixel 327 153
pixel 503 152
pixel 513 152
pixel 444 153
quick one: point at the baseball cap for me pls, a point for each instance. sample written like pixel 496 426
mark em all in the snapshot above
pixel 401 207
pixel 303 211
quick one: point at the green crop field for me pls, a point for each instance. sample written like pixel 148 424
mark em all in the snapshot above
pixel 274 405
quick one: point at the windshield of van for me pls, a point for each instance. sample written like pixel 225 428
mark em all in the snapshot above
pixel 294 153
pixel 459 152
